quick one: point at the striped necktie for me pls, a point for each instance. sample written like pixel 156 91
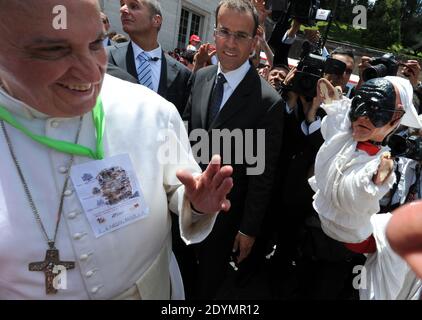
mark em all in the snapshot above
pixel 144 70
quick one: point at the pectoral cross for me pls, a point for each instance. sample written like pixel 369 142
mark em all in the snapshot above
pixel 51 260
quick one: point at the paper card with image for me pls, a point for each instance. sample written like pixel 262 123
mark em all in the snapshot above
pixel 110 193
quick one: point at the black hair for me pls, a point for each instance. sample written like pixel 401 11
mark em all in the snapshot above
pixel 343 51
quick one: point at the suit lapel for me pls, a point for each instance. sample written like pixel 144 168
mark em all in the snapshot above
pixel 130 61
pixel 206 92
pixel 238 99
pixel 162 86
pixel 169 71
pixel 124 59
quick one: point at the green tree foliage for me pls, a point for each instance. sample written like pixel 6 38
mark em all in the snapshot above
pixel 411 25
pixel 383 24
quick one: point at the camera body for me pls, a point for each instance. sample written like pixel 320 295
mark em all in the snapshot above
pixel 305 11
pixel 312 67
pixel 302 10
pixel 387 65
pixel 409 147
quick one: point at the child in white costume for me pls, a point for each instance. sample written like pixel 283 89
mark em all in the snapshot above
pixel 353 172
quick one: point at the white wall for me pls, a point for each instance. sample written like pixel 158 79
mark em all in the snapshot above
pixel 171 10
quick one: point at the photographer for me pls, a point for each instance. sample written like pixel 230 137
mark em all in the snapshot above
pixel 407 148
pixel 411 70
pixel 339 79
pixel 323 265
pixel 388 65
pixel 276 76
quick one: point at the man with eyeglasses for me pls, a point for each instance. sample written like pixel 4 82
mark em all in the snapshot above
pixel 232 96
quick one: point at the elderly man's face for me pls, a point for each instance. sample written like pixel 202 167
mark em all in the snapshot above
pixel 58 72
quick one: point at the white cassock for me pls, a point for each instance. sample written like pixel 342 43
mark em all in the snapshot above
pixel 133 262
pixel 347 201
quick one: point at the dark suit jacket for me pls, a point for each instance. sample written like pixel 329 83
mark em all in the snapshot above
pixel 174 77
pixel 253 105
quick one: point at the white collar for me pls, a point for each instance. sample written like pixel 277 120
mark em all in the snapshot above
pixel 234 77
pixel 156 53
pixel 19 108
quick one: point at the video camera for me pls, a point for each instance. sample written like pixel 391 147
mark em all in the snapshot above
pixel 387 65
pixel 406 146
pixel 312 67
pixel 304 11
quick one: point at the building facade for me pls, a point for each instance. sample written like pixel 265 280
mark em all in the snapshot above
pixel 181 18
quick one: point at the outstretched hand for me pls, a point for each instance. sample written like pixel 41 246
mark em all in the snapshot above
pixel 207 192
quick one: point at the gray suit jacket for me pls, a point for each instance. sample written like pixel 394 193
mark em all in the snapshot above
pixel 174 82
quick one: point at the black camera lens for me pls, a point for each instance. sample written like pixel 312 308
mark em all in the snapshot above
pixel 398 145
pixel 372 72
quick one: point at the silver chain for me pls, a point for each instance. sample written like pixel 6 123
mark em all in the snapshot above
pixel 51 242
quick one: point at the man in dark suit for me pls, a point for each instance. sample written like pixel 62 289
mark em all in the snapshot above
pixel 143 57
pixel 233 96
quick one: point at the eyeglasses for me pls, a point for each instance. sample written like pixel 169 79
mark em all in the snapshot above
pixel 238 36
pixel 378 116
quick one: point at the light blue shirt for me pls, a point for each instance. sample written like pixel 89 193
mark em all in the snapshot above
pixel 155 65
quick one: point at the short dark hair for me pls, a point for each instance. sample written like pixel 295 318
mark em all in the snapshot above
pixel 188 55
pixel 281 65
pixel 343 51
pixel 241 6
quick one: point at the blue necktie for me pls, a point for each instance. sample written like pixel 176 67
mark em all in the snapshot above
pixel 144 70
pixel 216 98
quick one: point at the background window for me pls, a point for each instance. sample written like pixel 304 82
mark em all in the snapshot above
pixel 190 23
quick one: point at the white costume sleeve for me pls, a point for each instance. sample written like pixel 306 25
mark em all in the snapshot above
pixel 193 227
pixel 386 276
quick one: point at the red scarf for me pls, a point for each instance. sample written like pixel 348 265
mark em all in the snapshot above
pixel 368 147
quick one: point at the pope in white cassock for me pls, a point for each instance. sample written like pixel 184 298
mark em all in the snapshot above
pixel 53 243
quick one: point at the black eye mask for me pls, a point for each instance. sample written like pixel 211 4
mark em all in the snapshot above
pixel 376 99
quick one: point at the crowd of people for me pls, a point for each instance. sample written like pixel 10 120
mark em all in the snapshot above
pixel 333 186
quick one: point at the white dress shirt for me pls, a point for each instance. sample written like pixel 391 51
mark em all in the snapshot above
pixel 233 80
pixel 155 65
